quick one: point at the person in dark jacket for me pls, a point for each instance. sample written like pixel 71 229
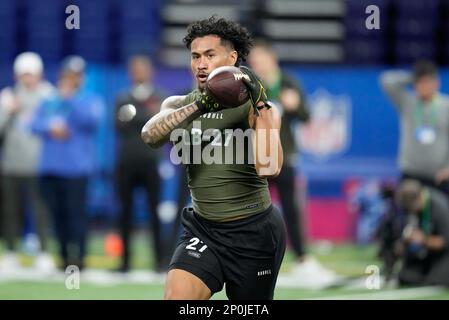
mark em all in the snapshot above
pixel 137 165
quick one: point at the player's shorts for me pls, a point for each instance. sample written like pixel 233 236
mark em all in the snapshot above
pixel 245 254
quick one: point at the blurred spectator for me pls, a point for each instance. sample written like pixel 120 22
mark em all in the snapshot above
pixel 289 97
pixel 424 121
pixel 20 155
pixel 425 236
pixel 67 122
pixel 138 165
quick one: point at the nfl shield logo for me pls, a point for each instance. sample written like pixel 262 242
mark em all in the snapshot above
pixel 328 131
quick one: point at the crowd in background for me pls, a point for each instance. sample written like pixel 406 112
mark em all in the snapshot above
pixel 47 149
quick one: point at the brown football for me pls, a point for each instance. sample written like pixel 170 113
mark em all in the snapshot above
pixel 225 85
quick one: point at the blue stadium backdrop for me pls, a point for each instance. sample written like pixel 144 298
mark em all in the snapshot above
pixel 353 135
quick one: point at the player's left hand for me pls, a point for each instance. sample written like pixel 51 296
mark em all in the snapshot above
pixel 256 89
pixel 206 104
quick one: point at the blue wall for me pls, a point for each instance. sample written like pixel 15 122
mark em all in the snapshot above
pixel 372 122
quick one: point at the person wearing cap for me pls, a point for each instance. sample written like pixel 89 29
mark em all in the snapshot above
pixel 21 150
pixel 68 125
pixel 424 124
pixel 425 241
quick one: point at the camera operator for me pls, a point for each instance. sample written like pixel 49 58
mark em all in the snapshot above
pixel 425 236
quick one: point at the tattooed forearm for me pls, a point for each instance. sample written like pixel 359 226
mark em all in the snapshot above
pixel 157 130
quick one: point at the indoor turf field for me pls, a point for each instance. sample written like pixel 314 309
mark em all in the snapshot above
pixel 98 282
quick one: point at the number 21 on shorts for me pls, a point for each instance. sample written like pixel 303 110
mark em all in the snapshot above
pixel 194 243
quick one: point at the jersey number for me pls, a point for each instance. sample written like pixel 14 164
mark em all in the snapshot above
pixel 194 242
pixel 198 136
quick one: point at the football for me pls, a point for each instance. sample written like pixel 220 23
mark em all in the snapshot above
pixel 225 85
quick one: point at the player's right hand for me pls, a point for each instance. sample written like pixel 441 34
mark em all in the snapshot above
pixel 207 104
pixel 255 87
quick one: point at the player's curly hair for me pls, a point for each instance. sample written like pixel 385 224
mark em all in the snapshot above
pixel 229 32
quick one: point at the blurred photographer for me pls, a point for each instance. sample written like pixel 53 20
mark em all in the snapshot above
pixel 425 236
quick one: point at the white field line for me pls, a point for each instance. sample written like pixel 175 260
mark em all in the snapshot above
pixel 92 276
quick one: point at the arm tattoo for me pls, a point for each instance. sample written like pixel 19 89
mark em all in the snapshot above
pixel 158 129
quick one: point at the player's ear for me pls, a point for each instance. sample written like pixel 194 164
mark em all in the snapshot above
pixel 233 57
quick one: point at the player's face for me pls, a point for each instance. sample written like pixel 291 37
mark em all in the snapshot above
pixel 207 54
pixel 426 87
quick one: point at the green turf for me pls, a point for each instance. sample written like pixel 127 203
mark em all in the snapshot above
pixel 54 291
pixel 346 259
